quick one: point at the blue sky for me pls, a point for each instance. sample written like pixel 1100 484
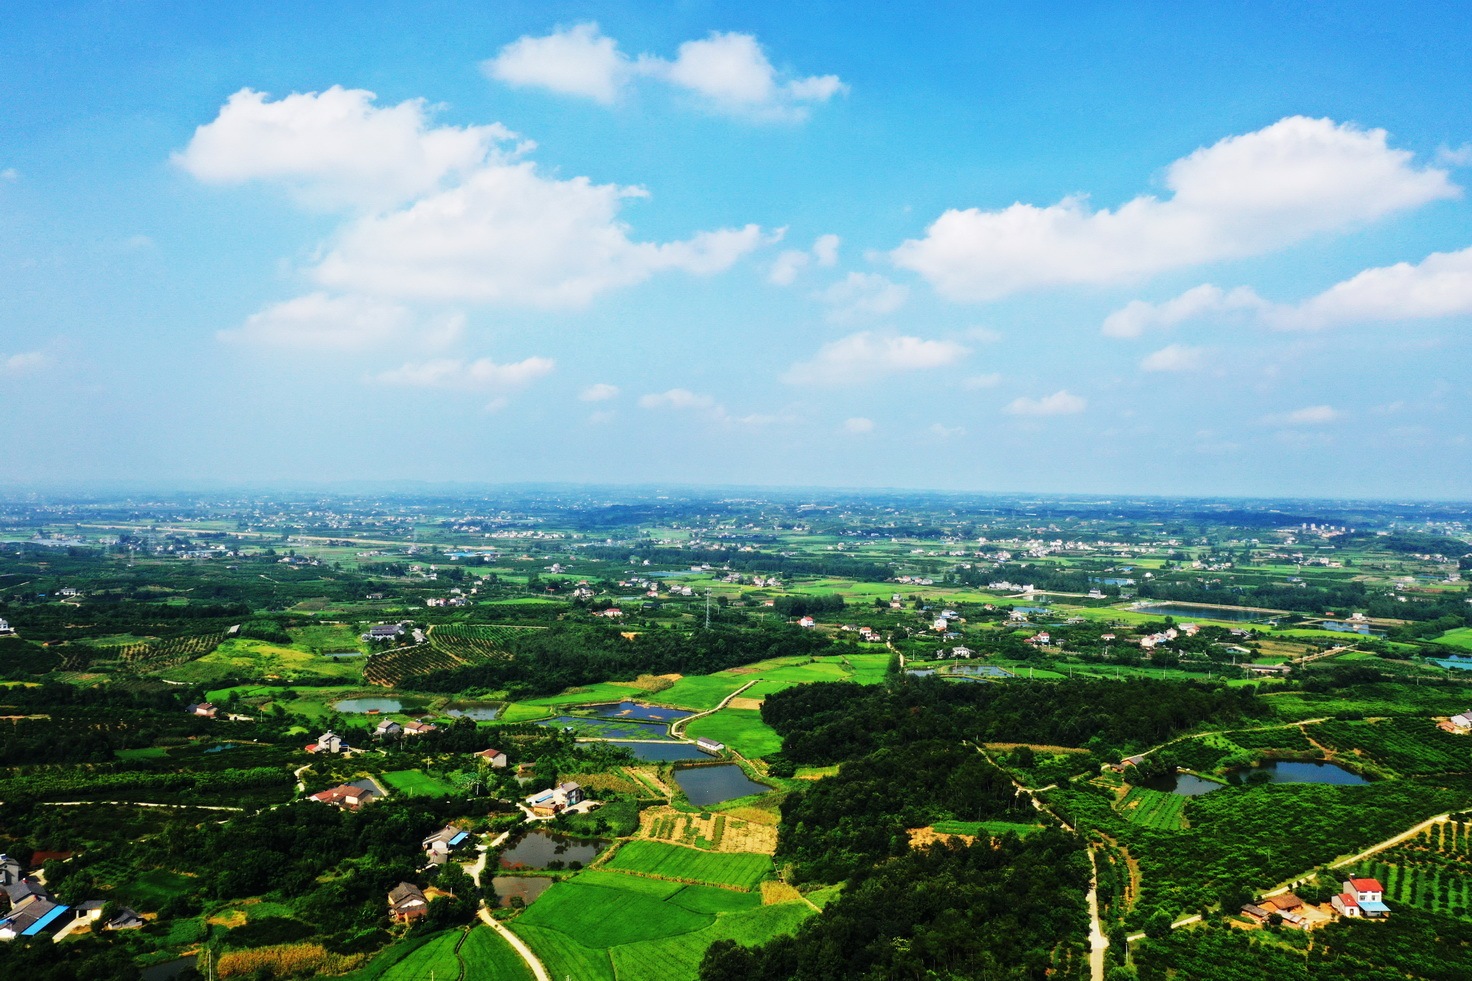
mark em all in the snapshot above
pixel 1174 249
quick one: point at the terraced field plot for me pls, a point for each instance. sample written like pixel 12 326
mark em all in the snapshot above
pixel 1154 809
pixel 737 870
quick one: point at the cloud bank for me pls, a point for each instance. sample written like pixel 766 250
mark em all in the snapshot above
pixel 1244 195
pixel 865 356
pixel 1438 286
pixel 728 73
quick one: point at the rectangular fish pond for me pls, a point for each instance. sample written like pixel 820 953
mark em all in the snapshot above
pixel 595 728
pixel 540 849
pixel 708 785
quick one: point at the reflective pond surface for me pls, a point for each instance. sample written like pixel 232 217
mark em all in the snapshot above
pixel 370 705
pixel 479 711
pixel 1233 613
pixel 664 753
pixel 638 712
pixel 1282 771
pixel 537 849
pixel 1184 784
pixel 610 728
pixel 527 887
pixel 707 785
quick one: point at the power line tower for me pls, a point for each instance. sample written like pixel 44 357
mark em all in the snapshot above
pixel 707 608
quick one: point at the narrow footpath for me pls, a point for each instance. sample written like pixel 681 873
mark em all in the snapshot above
pixel 677 728
pixel 1098 943
pixel 477 870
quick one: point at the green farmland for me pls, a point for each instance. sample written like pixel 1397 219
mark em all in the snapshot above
pixel 732 869
pixel 611 926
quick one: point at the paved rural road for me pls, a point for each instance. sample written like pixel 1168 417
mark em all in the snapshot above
pixel 531 959
pixel 1361 856
pixel 1391 842
pixel 1183 922
pixel 1098 943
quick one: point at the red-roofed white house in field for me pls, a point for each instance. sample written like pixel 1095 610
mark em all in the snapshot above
pixel 1361 897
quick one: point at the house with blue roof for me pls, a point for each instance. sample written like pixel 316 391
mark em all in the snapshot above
pixel 439 846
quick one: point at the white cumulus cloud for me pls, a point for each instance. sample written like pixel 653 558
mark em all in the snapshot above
pixel 601 392
pixel 1060 403
pixel 1174 357
pixel 576 61
pixel 861 295
pixel 865 356
pixel 510 235
pixel 1138 317
pixel 446 214
pixel 319 321
pixel 337 147
pixel 789 263
pixel 1438 286
pixel 858 425
pixel 1313 415
pixel 677 398
pixel 482 374
pixel 726 72
pixel 975 382
pixel 1244 195
pixel 23 363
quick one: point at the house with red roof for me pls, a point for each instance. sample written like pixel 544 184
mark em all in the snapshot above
pixel 1362 897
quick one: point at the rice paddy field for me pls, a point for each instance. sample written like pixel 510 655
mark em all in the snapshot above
pixel 417 783
pixel 1460 637
pixel 736 870
pixel 611 926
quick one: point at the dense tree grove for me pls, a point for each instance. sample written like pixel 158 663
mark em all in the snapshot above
pixel 569 654
pixel 1420 946
pixel 1012 909
pixel 848 822
pixel 828 723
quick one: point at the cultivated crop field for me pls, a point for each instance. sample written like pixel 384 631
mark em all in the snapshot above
pixel 393 668
pixel 239 658
pixel 1407 746
pixel 1154 809
pixel 157 654
pixel 417 783
pixel 1432 871
pixel 741 729
pixel 733 869
pixel 472 641
pixel 677 958
pixel 606 925
pixel 487 955
pixel 716 832
pixel 434 960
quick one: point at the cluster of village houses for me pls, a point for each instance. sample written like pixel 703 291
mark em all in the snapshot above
pixel 34 912
pixel 1358 898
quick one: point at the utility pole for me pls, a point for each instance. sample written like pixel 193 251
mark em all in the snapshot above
pixel 707 608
